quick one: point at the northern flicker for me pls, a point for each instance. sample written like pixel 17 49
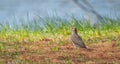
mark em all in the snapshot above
pixel 76 39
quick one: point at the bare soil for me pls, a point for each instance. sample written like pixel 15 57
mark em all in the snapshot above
pixel 47 51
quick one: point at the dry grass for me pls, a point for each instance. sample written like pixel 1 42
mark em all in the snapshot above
pixel 47 51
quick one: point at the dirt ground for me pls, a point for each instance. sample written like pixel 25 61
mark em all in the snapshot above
pixel 46 52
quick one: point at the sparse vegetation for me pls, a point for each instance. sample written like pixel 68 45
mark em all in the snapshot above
pixel 35 43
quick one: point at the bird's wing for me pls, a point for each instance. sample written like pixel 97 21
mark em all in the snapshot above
pixel 77 40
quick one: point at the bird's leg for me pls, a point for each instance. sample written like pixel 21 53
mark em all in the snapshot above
pixel 74 45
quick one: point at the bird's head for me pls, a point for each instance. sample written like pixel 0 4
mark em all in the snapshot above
pixel 74 30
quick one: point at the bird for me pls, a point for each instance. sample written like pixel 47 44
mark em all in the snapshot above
pixel 76 39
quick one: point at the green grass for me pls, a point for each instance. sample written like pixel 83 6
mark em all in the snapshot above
pixel 57 30
pixel 33 31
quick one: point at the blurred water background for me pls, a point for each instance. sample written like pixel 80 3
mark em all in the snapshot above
pixel 12 10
